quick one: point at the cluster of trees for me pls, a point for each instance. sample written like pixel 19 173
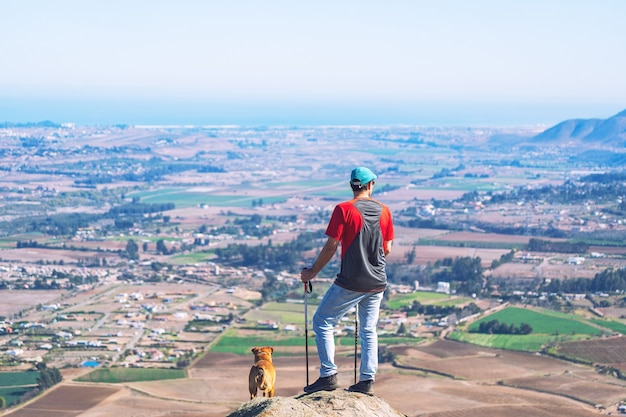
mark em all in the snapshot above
pixel 507 257
pixel 495 327
pixel 539 245
pixel 441 311
pixel 209 168
pixel 251 226
pixel 600 187
pixel 44 284
pixel 274 289
pixel 609 280
pixel 47 376
pixel 270 256
pixel 260 256
pixel 26 244
pixel 135 208
pixel 466 272
pixel 65 224
pixel 56 224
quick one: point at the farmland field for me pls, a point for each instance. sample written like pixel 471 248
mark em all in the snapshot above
pixel 536 372
pixel 9 379
pixel 240 343
pixel 119 375
pixel 544 322
pixel 14 385
pixel 398 301
pixel 16 300
pixel 611 324
pixel 188 198
pixel 65 401
pixel 610 352
pixel 527 343
pixel 548 328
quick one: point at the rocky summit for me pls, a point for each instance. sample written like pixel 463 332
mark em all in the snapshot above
pixel 338 403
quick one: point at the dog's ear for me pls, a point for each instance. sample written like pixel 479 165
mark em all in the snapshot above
pixel 255 349
pixel 271 350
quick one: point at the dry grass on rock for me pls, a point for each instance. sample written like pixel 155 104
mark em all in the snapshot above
pixel 338 403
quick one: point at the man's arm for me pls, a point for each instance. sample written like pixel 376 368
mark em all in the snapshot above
pixel 325 255
pixel 387 247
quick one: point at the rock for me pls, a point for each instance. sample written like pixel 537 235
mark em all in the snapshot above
pixel 338 403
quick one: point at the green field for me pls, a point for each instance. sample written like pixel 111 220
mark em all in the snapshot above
pixel 398 340
pixel 14 385
pixel 118 375
pixel 12 395
pixel 544 322
pixel 397 301
pixel 616 326
pixel 548 327
pixel 182 197
pixel 230 342
pixel 527 343
pixel 192 258
pixel 10 379
pixel 470 244
pixel 284 313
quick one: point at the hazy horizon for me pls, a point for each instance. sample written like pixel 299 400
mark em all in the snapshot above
pixel 453 62
pixel 144 112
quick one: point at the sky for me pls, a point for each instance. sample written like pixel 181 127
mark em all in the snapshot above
pixel 275 62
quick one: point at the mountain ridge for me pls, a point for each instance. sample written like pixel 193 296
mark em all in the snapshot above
pixel 609 132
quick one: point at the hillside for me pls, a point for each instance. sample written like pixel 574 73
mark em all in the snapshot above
pixel 610 132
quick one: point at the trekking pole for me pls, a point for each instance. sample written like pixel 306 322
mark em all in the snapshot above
pixel 356 336
pixel 308 287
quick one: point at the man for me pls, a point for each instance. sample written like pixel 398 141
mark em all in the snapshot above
pixel 364 228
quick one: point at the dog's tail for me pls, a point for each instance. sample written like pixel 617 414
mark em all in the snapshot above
pixel 260 375
pixel 260 378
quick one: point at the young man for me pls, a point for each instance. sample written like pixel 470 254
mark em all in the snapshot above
pixel 364 228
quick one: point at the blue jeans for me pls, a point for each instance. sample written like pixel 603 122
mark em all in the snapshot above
pixel 336 303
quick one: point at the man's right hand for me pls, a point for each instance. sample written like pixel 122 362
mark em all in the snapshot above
pixel 306 275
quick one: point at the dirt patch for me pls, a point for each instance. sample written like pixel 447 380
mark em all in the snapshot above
pixel 484 237
pixel 15 300
pixel 66 400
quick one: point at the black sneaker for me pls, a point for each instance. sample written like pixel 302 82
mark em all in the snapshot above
pixel 327 383
pixel 364 387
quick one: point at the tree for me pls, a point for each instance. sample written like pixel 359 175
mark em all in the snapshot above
pixel 410 256
pixel 132 250
pixel 183 363
pixel 161 248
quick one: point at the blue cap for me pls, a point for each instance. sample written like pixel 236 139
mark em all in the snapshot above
pixel 361 176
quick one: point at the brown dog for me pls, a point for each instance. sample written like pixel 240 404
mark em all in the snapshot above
pixel 262 374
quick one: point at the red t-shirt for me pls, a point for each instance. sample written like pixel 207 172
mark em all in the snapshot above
pixel 362 226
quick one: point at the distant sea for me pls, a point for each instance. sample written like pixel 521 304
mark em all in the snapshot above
pixel 197 112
